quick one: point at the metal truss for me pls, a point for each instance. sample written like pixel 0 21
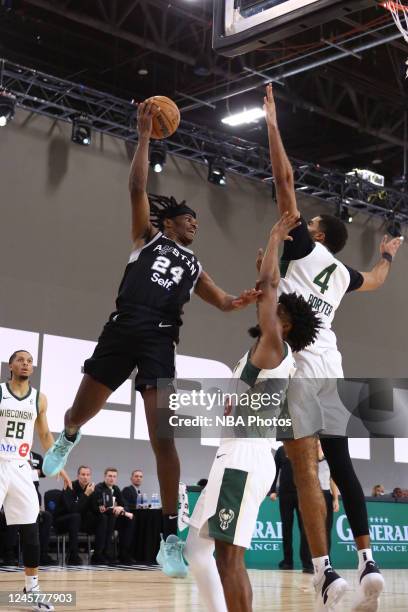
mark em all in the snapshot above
pixel 358 104
pixel 355 101
pixel 165 24
pixel 304 62
pixel 172 30
pixel 63 100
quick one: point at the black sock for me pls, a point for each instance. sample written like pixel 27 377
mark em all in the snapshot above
pixel 169 525
pixel 70 437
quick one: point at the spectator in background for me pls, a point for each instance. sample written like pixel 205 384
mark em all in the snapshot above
pixel 378 491
pixel 131 493
pixel 202 482
pixel 330 491
pixel 80 502
pixel 288 504
pixel 108 500
pixel 72 505
pixel 397 494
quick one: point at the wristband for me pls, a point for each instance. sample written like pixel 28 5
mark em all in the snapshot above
pixel 387 256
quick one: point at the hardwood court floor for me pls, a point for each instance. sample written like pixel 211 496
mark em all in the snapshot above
pixel 151 591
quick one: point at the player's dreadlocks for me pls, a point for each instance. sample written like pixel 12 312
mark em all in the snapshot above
pixel 305 322
pixel 162 207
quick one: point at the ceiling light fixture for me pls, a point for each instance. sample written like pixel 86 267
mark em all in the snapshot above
pixel 7 107
pixel 81 130
pixel 157 157
pixel 216 171
pixel 394 229
pixel 247 116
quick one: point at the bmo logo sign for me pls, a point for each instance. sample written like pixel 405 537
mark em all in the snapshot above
pixel 7 448
pixel 60 363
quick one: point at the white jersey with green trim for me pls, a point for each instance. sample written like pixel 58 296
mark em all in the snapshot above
pixel 250 374
pixel 322 280
pixel 261 394
pixel 17 418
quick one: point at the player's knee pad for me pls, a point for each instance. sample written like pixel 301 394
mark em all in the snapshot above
pixel 31 545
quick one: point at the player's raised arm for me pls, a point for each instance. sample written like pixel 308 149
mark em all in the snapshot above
pixel 208 291
pixel 44 434
pixel 281 166
pixel 376 277
pixel 268 281
pixel 141 225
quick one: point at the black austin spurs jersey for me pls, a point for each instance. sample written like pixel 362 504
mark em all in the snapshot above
pixel 159 279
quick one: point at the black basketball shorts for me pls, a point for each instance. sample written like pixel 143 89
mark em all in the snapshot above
pixel 122 348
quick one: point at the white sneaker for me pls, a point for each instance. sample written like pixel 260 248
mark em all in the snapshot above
pixel 329 590
pixel 370 586
pixel 38 607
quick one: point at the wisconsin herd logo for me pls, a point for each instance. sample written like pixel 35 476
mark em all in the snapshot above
pixel 226 517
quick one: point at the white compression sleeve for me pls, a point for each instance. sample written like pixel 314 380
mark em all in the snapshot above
pixel 199 553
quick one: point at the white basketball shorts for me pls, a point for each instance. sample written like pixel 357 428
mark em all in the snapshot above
pixel 313 401
pixel 240 478
pixel 17 492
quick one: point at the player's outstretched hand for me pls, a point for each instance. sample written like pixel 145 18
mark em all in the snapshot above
pixel 270 108
pixel 249 296
pixel 286 224
pixel 145 113
pixel 390 246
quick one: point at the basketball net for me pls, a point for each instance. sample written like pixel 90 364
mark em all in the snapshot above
pixel 399 13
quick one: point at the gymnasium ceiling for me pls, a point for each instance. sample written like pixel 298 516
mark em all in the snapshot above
pixel 343 114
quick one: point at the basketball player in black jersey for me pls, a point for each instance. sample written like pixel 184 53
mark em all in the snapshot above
pixel 161 275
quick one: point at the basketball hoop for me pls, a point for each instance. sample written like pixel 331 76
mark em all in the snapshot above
pixel 399 13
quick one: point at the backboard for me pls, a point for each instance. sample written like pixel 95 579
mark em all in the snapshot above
pixel 243 25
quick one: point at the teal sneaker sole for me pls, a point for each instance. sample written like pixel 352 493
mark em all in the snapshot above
pixel 171 572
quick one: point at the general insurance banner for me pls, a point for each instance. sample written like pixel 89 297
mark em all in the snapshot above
pixel 388 529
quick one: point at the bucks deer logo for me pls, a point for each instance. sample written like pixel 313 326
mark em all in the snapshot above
pixel 226 516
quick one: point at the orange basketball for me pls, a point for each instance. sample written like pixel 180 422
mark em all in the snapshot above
pixel 167 120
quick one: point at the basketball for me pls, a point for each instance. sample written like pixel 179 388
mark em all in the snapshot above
pixel 167 120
